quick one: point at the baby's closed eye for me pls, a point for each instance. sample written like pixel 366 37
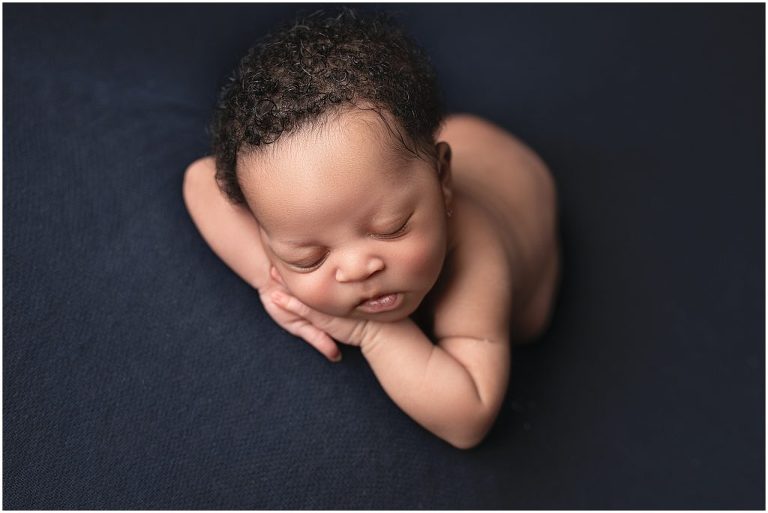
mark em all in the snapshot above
pixel 392 234
pixel 309 264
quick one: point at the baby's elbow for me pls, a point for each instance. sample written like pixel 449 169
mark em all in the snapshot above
pixel 197 177
pixel 466 443
pixel 471 430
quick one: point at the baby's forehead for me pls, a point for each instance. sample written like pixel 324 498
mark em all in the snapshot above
pixel 348 151
pixel 336 174
pixel 364 126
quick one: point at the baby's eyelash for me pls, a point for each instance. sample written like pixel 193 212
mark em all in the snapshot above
pixel 396 233
pixel 312 266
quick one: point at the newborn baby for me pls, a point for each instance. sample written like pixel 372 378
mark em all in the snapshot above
pixel 338 190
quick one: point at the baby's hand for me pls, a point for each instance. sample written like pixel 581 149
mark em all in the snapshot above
pixel 348 331
pixel 296 324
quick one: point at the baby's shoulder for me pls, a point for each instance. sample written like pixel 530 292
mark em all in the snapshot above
pixel 476 295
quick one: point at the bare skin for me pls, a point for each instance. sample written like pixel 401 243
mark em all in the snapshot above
pixel 471 240
pixel 515 189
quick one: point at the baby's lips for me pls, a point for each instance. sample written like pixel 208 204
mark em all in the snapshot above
pixel 382 303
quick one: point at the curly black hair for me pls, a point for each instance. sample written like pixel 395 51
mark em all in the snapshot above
pixel 319 64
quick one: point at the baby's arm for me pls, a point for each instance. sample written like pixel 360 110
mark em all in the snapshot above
pixel 454 389
pixel 230 230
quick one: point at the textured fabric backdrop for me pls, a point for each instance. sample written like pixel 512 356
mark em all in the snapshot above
pixel 139 372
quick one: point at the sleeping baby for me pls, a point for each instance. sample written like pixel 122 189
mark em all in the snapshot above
pixel 366 217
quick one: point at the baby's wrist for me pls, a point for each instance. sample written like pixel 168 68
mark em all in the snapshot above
pixel 370 336
pixel 378 334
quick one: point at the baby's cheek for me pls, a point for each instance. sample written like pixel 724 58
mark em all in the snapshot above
pixel 314 292
pixel 424 259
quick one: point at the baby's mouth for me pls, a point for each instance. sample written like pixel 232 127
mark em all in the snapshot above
pixel 382 303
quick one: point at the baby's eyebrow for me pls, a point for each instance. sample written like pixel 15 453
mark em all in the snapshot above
pixel 297 244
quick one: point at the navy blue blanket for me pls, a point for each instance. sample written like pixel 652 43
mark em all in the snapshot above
pixel 140 372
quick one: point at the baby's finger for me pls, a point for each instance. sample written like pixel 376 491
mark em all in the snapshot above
pixel 319 340
pixel 276 275
pixel 292 304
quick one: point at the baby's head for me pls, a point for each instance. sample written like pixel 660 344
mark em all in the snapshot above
pixel 326 132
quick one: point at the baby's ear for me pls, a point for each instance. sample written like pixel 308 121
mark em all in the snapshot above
pixel 444 172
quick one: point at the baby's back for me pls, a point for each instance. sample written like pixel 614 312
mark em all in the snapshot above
pixel 517 192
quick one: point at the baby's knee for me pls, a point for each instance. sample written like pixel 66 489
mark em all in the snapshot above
pixel 470 127
pixel 462 121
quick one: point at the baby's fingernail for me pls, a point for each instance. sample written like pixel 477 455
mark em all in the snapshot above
pixel 337 358
pixel 278 297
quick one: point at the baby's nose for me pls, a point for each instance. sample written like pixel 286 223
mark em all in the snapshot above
pixel 359 270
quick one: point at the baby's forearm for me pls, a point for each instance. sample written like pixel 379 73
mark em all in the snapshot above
pixel 230 230
pixel 426 382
